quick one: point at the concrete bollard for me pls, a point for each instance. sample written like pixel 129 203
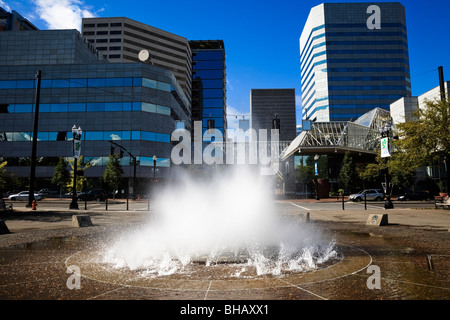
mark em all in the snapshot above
pixel 302 217
pixel 377 220
pixel 3 228
pixel 80 221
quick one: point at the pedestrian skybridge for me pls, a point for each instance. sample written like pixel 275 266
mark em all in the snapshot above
pixel 361 135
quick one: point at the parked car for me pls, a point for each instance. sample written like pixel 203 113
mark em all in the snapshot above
pixel 370 194
pixel 23 196
pixel 96 194
pixel 416 195
pixel 47 192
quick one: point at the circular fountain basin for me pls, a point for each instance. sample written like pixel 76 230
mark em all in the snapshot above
pixel 226 274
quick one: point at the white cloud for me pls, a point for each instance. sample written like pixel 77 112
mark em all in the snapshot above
pixel 63 14
pixel 5 6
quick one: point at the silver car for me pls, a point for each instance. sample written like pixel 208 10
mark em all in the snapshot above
pixel 370 194
pixel 23 196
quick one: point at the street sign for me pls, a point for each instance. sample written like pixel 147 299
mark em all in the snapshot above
pixel 385 152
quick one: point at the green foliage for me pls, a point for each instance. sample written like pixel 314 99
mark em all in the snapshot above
pixel 81 166
pixel 61 176
pixel 428 136
pixel 348 176
pixel 113 172
pixel 2 174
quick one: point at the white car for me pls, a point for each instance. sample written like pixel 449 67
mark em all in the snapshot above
pixel 23 196
pixel 371 194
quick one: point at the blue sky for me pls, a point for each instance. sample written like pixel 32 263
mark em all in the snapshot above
pixel 261 37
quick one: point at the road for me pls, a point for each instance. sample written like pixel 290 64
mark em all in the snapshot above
pixel 350 205
pixel 63 204
pixel 308 205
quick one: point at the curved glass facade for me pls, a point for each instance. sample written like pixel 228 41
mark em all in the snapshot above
pixel 346 69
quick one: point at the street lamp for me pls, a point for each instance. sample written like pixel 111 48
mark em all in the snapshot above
pixel 76 154
pixel 385 132
pixel 154 168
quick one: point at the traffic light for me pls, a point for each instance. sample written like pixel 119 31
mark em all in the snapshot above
pixel 113 150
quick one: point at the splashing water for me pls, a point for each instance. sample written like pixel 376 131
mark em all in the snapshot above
pixel 231 217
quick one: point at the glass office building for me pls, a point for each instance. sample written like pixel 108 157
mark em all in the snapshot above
pixel 347 68
pixel 209 84
pixel 136 105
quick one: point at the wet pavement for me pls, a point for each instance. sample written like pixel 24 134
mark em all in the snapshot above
pixel 45 257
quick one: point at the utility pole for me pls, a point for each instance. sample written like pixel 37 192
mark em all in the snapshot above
pixel 34 143
pixel 443 99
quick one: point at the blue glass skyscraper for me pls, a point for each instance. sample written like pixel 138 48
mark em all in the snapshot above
pixel 209 84
pixel 349 68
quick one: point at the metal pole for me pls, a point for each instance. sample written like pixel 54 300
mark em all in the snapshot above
pixel 134 179
pixel 441 83
pixel 343 208
pixel 365 200
pixel 443 98
pixel 74 203
pixel 34 145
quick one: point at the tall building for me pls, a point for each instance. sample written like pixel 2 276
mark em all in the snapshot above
pixel 135 105
pixel 209 84
pixel 121 39
pixel 267 105
pixel 13 21
pixel 404 109
pixel 348 67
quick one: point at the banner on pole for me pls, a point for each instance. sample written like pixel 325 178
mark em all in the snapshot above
pixel 76 148
pixel 385 152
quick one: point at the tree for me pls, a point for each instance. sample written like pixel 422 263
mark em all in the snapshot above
pixel 81 167
pixel 427 137
pixel 113 172
pixel 61 176
pixel 399 167
pixel 348 176
pixel 2 174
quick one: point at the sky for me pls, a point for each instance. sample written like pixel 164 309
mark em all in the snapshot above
pixel 261 37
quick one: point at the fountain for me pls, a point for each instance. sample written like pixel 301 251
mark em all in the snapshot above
pixel 226 224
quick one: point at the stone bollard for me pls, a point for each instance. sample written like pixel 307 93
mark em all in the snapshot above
pixel 80 221
pixel 377 220
pixel 3 228
pixel 302 217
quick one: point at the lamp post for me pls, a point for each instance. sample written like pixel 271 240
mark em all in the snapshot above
pixel 385 132
pixel 34 144
pixel 316 177
pixel 76 154
pixel 154 168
